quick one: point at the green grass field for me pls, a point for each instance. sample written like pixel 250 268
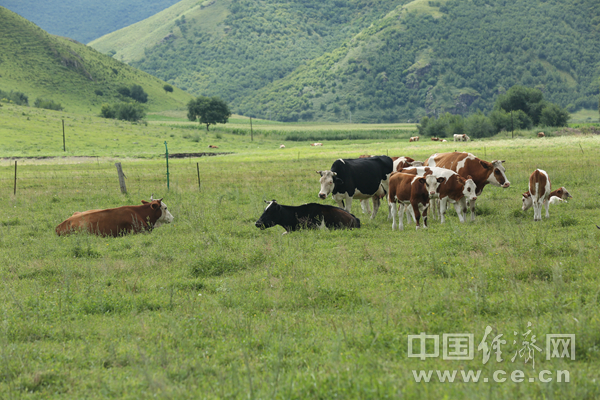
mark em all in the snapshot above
pixel 212 307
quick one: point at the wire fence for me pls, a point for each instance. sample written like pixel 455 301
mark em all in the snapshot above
pixel 24 178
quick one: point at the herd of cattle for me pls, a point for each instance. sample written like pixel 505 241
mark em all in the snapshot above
pixel 410 187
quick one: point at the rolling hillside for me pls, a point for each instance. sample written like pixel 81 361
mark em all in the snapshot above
pixel 77 76
pixel 370 61
pixel 85 20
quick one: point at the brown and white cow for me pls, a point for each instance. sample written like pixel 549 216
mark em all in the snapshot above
pixel 413 192
pixel 435 139
pixel 454 189
pixel 118 221
pixel 413 139
pixel 540 194
pixel 405 162
pixel 316 144
pixel 541 134
pixel 466 164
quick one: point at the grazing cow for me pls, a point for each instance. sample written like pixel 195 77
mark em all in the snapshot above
pixel 541 134
pixel 465 164
pixel 556 197
pixel 282 146
pixel 443 140
pixel 358 178
pixel 405 190
pixel 435 139
pixel 316 144
pixel 454 188
pixel 413 139
pixel 539 194
pixel 461 138
pixel 118 221
pixel 210 146
pixel 311 216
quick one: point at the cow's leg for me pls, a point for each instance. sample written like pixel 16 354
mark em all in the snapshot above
pixel 401 210
pixel 537 210
pixel 366 207
pixel 461 209
pixel 348 204
pixel 376 203
pixel 417 213
pixel 547 205
pixel 472 206
pixel 443 205
pixel 394 212
pixel 425 212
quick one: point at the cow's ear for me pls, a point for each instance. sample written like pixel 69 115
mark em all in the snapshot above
pixel 155 206
pixel 469 177
pixel 441 179
pixel 144 202
pixel 320 173
pixel 334 173
pixel 485 164
pixel 422 180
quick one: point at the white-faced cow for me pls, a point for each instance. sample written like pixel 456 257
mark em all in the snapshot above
pixel 310 216
pixel 461 138
pixel 466 164
pixel 413 139
pixel 413 192
pixel 540 193
pixel 454 189
pixel 118 221
pixel 357 178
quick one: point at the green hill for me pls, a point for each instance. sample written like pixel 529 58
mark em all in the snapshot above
pixel 370 61
pixel 77 76
pixel 85 20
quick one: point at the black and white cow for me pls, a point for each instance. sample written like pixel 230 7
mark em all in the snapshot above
pixel 357 178
pixel 311 216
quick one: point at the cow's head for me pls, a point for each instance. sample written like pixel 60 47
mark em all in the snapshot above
pixel 470 189
pixel 562 193
pixel 527 201
pixel 269 217
pixel 165 215
pixel 432 185
pixel 328 181
pixel 497 176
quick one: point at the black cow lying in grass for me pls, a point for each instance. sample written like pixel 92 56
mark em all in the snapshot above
pixel 312 216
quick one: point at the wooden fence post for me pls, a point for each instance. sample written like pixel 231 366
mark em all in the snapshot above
pixel 198 169
pixel 121 178
pixel 15 190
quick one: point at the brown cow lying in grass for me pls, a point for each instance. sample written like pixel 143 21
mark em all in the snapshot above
pixel 118 221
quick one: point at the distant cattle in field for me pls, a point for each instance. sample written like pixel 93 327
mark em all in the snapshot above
pixel 310 216
pixel 210 146
pixel 282 146
pixel 118 221
pixel 540 194
pixel 541 134
pixel 413 192
pixel 435 139
pixel 358 178
pixel 466 164
pixel 461 138
pixel 413 139
pixel 454 188
pixel 316 144
pixel 443 140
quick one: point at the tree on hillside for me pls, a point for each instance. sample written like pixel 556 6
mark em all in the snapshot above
pixel 208 110
pixel 531 102
pixel 168 88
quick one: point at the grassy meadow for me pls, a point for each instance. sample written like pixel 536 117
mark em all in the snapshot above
pixel 212 307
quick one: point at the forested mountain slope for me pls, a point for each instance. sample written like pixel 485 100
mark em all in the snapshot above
pixel 380 61
pixel 85 20
pixel 41 65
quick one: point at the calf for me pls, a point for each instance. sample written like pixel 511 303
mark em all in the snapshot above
pixel 311 216
pixel 556 196
pixel 405 189
pixel 454 188
pixel 539 194
pixel 413 139
pixel 118 221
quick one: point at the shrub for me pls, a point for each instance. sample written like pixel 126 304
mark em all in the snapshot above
pixel 47 104
pixel 123 111
pixel 479 126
